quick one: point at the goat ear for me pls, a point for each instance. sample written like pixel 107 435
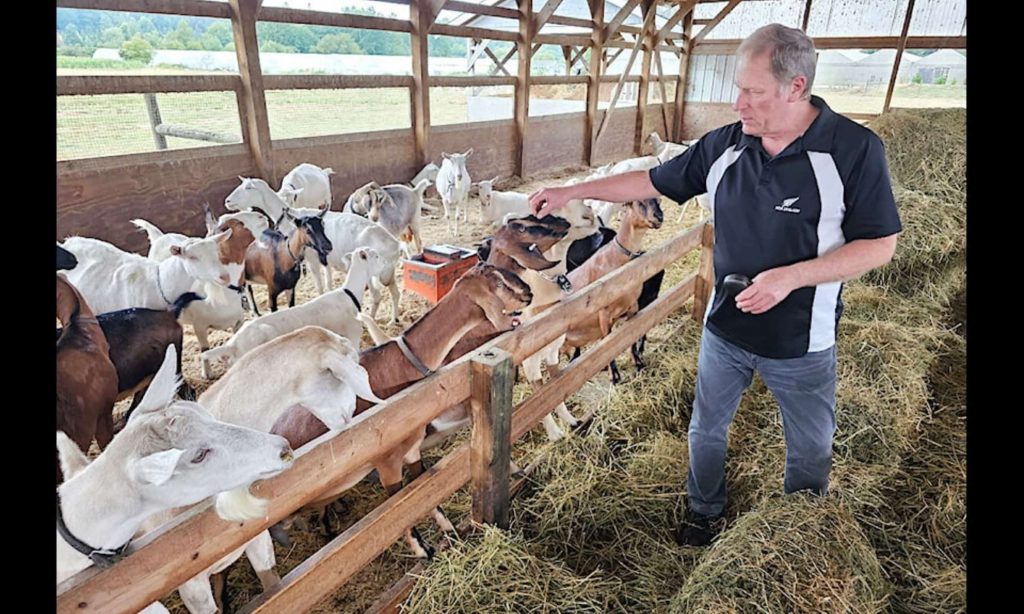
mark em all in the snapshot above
pixel 347 369
pixel 161 390
pixel 323 212
pixel 446 156
pixel 176 250
pixel 155 469
pixel 362 254
pixel 72 461
pixel 224 235
pixel 347 260
pixel 495 178
pixel 468 152
pixel 211 222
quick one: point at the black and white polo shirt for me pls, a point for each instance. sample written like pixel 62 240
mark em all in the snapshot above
pixel 828 187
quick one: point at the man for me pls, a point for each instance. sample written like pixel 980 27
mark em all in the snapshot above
pixel 802 201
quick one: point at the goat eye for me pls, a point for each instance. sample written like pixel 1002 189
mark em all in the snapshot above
pixel 200 455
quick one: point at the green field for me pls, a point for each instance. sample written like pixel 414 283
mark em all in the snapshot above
pixel 89 126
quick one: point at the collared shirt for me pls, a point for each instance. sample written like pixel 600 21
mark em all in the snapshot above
pixel 828 187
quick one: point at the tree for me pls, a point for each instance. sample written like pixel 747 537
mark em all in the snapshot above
pixel 210 42
pixel 288 34
pixel 136 49
pixel 71 35
pixel 222 31
pixel 275 47
pixel 112 37
pixel 337 43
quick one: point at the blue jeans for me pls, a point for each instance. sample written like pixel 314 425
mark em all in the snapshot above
pixel 805 388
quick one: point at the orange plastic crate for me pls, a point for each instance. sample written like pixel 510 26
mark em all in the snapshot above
pixel 433 273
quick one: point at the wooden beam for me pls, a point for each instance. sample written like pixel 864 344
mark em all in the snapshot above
pixel 664 96
pixel 477 81
pixel 92 85
pixel 501 63
pixel 682 10
pixel 705 273
pixel 562 39
pixel 490 446
pixel 545 14
pixel 334 20
pixel 198 538
pixel 335 82
pixel 472 32
pixel 524 42
pixel 421 16
pixel 558 79
pixel 594 78
pixel 729 46
pixel 567 56
pixel 155 121
pixel 722 14
pixel 648 8
pixel 806 17
pixel 623 77
pixel 621 16
pixel 569 21
pixel 256 129
pixel 498 64
pixel 192 8
pixel 481 9
pixel 618 87
pixel 608 61
pixel 579 56
pixel 899 56
pixel 684 63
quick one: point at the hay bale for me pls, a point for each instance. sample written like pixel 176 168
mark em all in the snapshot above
pixel 498 573
pixel 927 150
pixel 933 241
pixel 797 553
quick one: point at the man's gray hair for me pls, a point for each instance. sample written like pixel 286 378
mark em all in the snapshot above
pixel 791 53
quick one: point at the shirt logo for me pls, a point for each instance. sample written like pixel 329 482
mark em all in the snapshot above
pixel 787 205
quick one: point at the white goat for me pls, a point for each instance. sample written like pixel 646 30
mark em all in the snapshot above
pixel 397 208
pixel 496 206
pixel 665 150
pixel 170 454
pixel 111 279
pixel 453 183
pixel 336 311
pixel 307 185
pixel 347 232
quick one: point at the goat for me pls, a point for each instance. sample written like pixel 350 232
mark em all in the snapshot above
pixel 396 208
pixel 665 150
pixel 86 377
pixel 485 292
pixel 275 260
pixel 453 183
pixel 111 279
pixel 307 186
pixel 336 311
pixel 496 206
pixel 170 454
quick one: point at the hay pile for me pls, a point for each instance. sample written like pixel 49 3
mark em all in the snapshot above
pixel 498 573
pixel 927 150
pixel 791 554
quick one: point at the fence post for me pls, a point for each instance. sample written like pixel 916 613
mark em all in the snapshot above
pixel 491 444
pixel 153 110
pixel 705 272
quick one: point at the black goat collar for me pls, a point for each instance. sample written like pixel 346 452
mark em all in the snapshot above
pixel 101 557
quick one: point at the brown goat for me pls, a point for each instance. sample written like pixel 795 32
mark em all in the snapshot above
pixel 275 260
pixel 86 378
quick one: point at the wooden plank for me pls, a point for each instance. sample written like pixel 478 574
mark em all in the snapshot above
pixel 667 124
pixel 497 63
pixel 807 16
pixel 256 129
pixel 683 8
pixel 194 8
pixel 335 82
pixel 643 89
pixel 501 64
pixel 198 538
pixel 618 88
pixel 344 556
pixel 597 66
pixel 545 14
pixel 528 413
pixel 556 141
pixel 481 9
pixel 490 447
pixel 558 79
pixel 524 42
pixel 95 85
pixel 334 20
pixel 472 32
pixel 421 19
pixel 729 46
pixel 153 111
pixel 684 65
pixel 722 14
pixel 476 81
pixel 195 134
pixel 562 39
pixel 613 26
pixel 899 56
pixel 623 77
pixel 578 56
pixel 570 21
pixel 608 61
pixel 705 273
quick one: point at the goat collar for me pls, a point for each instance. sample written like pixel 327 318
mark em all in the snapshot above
pixel 629 253
pixel 160 288
pixel 416 362
pixel 355 301
pixel 101 557
pixel 561 280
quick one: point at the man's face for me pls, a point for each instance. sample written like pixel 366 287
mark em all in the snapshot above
pixel 761 105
